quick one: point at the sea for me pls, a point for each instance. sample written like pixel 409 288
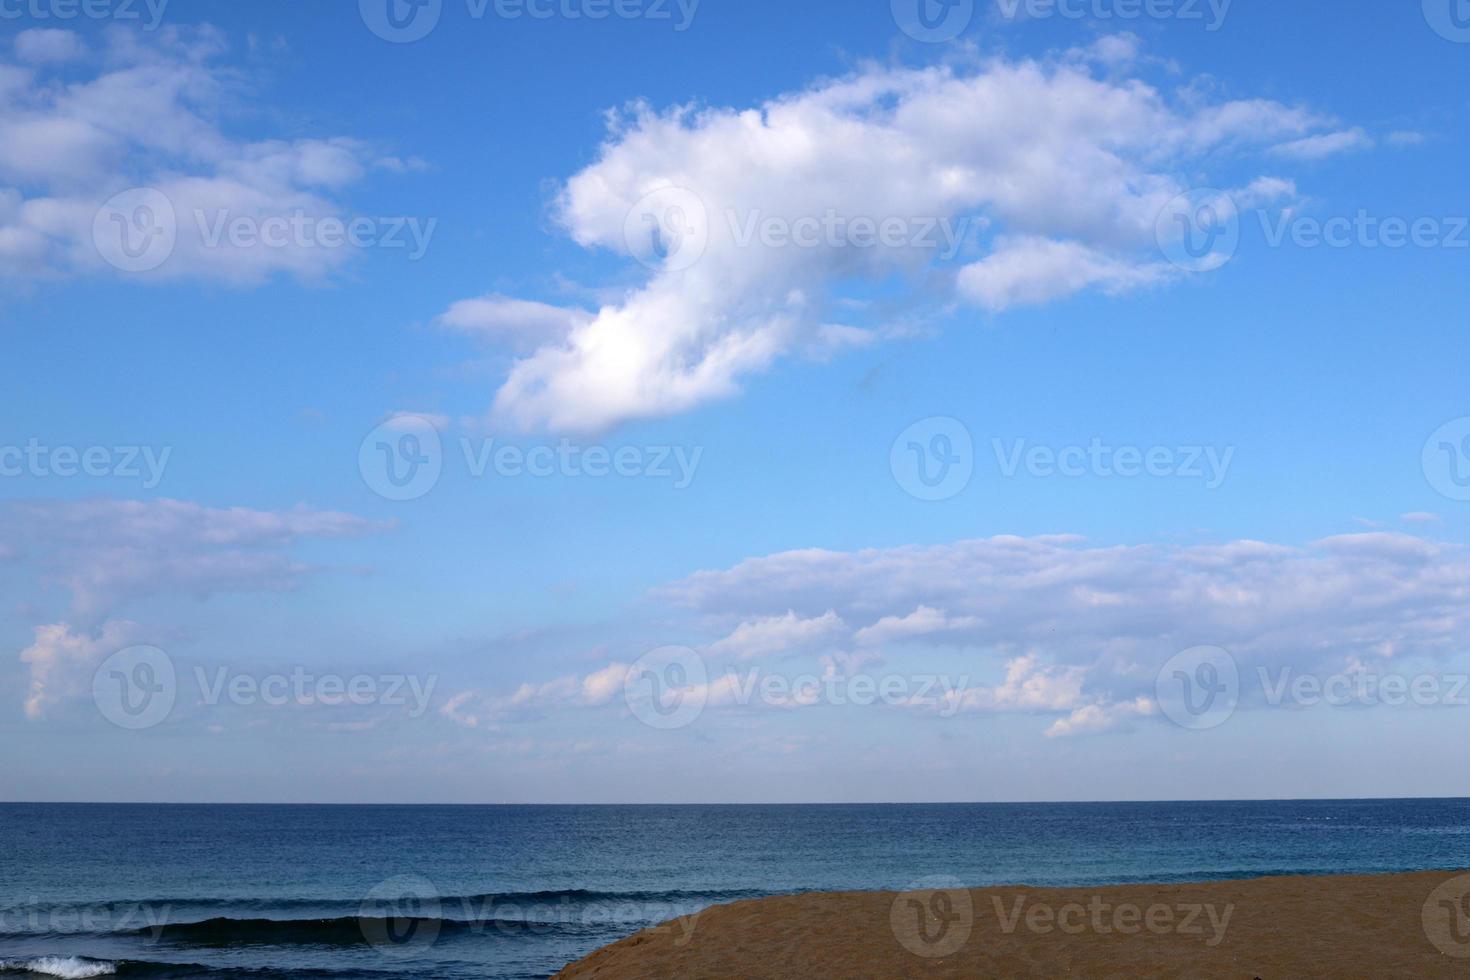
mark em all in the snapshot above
pixel 388 892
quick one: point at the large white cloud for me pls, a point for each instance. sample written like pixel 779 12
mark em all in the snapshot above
pixel 108 553
pixel 1059 168
pixel 1079 632
pixel 151 115
pixel 1376 595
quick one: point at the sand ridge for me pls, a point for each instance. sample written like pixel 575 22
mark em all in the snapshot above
pixel 1378 926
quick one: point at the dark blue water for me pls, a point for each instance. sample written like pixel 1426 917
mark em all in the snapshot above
pixel 349 893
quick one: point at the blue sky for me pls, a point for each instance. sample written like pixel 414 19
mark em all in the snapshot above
pixel 1300 401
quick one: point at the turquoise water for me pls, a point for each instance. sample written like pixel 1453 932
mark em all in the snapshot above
pixel 350 893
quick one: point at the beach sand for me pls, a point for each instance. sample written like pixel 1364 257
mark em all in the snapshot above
pixel 1409 925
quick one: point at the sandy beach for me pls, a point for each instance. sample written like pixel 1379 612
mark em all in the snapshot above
pixel 1407 925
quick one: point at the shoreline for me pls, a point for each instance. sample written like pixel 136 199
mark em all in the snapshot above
pixel 1390 925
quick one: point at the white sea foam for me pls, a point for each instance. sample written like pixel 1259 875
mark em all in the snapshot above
pixel 69 967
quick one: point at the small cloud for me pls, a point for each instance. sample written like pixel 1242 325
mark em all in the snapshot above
pixel 517 323
pixel 1325 145
pixel 406 420
pixel 1421 517
pixel 1094 719
pixel 48 46
pixel 1265 190
pixel 777 634
pixel 1406 137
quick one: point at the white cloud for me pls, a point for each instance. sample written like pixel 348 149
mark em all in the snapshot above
pixel 1069 171
pixel 778 634
pixel 151 117
pixel 1265 190
pixel 1094 719
pixel 62 659
pixel 107 552
pixel 515 323
pixel 1407 137
pixel 476 709
pixel 923 621
pixel 1031 271
pixel 1324 145
pixel 48 45
pixel 1105 618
